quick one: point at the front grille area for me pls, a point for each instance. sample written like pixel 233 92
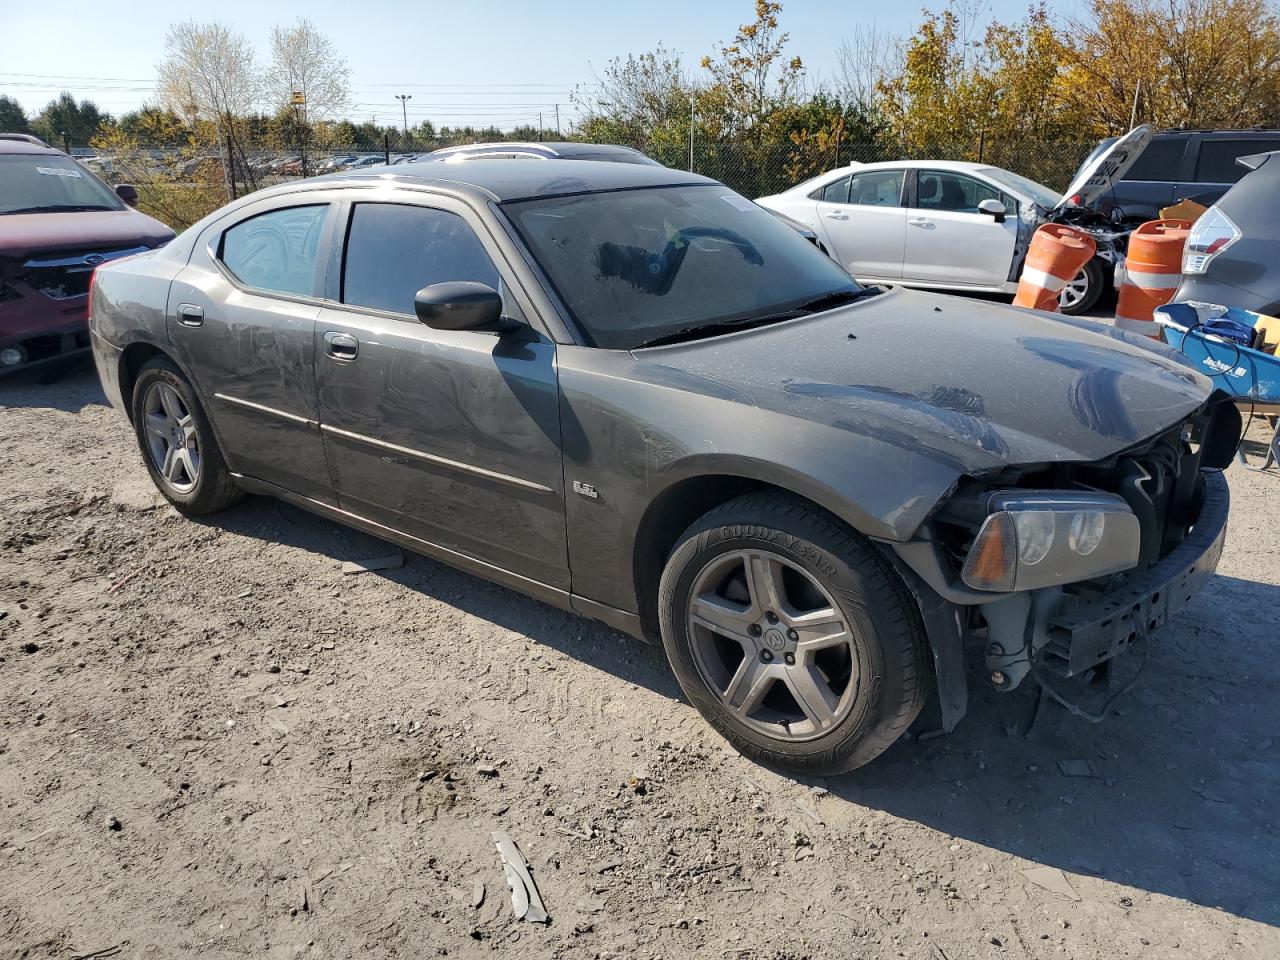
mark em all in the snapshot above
pixel 64 275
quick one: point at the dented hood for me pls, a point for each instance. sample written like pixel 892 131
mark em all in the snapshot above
pixel 1099 173
pixel 974 385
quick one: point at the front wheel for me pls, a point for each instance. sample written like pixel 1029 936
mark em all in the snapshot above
pixel 791 635
pixel 1082 291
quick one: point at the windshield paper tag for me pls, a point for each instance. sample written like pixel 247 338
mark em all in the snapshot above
pixel 57 172
pixel 739 203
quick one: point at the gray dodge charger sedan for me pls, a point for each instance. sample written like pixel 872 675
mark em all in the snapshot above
pixel 629 391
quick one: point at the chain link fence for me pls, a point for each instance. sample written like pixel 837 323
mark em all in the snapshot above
pixel 179 184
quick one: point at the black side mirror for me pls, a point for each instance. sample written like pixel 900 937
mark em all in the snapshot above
pixel 459 305
pixel 128 193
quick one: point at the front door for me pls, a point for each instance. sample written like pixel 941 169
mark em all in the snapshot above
pixel 241 318
pixel 452 437
pixel 949 241
pixel 865 222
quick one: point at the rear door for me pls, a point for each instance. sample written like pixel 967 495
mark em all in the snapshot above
pixel 948 240
pixel 452 437
pixel 865 222
pixel 241 318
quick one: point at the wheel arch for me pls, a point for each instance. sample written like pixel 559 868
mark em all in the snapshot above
pixel 674 510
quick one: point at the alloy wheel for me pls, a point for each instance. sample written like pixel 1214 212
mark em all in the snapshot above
pixel 1075 291
pixel 172 441
pixel 771 644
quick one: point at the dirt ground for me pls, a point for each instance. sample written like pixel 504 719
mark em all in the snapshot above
pixel 214 744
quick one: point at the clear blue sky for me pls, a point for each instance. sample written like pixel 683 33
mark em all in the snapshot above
pixel 466 61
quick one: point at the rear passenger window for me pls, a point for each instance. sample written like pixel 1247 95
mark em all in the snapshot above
pixel 835 192
pixel 1217 160
pixel 276 251
pixel 393 251
pixel 1162 161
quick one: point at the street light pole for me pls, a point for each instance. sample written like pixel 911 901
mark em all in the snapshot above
pixel 404 110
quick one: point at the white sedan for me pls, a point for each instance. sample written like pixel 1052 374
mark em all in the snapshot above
pixel 932 223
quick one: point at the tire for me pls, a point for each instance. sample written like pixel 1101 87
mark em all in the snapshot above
pixel 199 481
pixel 874 678
pixel 1095 282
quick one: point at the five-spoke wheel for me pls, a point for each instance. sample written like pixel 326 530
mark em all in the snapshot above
pixel 792 634
pixel 172 441
pixel 771 644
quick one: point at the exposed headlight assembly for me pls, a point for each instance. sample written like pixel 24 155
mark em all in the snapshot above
pixel 1044 538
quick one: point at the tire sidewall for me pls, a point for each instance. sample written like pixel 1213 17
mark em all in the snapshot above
pixel 195 498
pixel 847 587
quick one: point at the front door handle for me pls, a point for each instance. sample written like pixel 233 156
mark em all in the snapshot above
pixel 919 221
pixel 836 215
pixel 190 314
pixel 341 346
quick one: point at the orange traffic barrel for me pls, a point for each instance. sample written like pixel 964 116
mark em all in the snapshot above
pixel 1152 272
pixel 1056 255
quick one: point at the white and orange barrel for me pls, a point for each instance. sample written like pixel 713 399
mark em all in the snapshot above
pixel 1152 272
pixel 1057 254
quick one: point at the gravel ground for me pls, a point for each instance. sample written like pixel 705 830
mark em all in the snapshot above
pixel 214 744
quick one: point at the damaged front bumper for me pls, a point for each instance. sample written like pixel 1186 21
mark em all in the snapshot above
pixel 1065 633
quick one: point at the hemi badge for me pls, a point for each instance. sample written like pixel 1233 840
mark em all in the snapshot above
pixel 586 489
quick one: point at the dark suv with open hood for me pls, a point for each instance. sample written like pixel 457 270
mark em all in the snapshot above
pixel 57 223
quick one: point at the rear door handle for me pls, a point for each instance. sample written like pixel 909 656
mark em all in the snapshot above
pixel 836 215
pixel 341 346
pixel 190 314
pixel 919 221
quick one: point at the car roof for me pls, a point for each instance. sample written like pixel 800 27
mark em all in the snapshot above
pixel 548 148
pixel 20 143
pixel 503 180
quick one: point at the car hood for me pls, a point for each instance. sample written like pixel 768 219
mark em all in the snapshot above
pixel 976 386
pixel 1099 174
pixel 27 234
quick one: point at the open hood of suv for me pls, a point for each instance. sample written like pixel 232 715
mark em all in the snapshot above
pixel 1098 174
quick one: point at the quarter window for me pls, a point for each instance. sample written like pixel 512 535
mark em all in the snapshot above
pixel 393 251
pixel 837 191
pixel 1217 160
pixel 954 192
pixel 276 251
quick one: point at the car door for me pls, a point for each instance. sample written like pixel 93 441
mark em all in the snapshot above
pixel 865 221
pixel 1151 183
pixel 241 319
pixel 450 436
pixel 948 240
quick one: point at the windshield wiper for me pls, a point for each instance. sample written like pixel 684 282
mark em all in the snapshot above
pixel 60 208
pixel 827 301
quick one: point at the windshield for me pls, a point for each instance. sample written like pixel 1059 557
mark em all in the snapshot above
pixel 48 183
pixel 636 266
pixel 1036 191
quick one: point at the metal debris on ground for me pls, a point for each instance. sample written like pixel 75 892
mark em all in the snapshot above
pixel 477 894
pixel 524 895
pixel 1053 880
pixel 390 562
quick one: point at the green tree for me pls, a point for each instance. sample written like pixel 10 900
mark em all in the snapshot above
pixel 63 118
pixel 155 125
pixel 752 78
pixel 13 119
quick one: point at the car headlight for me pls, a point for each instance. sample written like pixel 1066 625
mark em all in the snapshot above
pixel 1033 539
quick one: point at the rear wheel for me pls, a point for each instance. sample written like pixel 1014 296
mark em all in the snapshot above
pixel 1082 291
pixel 177 443
pixel 791 635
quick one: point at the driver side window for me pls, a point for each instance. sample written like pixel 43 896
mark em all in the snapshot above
pixel 276 251
pixel 954 192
